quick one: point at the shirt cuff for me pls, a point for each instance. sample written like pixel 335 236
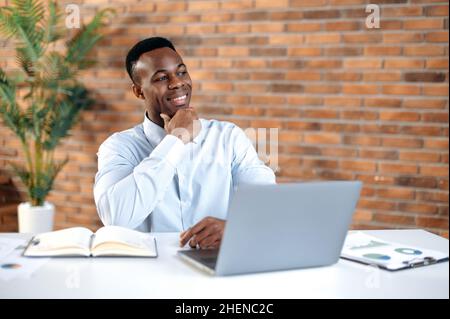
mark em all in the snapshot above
pixel 171 149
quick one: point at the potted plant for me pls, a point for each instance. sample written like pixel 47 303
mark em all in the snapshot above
pixel 41 101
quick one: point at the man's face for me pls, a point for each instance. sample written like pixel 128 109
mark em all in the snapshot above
pixel 162 80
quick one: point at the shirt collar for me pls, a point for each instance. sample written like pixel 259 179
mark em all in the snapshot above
pixel 155 133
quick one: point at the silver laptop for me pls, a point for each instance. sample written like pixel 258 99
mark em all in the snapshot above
pixel 283 226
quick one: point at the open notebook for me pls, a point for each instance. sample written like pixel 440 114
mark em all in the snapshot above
pixel 392 256
pixel 80 241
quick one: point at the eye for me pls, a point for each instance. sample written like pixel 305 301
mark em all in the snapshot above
pixel 181 73
pixel 161 78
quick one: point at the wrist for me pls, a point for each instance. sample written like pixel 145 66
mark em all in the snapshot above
pixel 180 137
pixel 182 134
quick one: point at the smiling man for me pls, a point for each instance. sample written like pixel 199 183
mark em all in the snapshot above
pixel 174 172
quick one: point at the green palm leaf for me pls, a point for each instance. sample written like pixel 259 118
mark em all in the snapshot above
pixel 81 44
pixel 53 97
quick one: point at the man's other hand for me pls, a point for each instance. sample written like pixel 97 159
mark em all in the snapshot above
pixel 207 233
pixel 182 124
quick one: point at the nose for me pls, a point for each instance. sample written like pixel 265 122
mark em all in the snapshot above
pixel 175 83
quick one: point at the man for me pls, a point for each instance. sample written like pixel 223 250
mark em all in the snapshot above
pixel 173 172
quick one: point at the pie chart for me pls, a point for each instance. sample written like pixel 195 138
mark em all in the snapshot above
pixel 11 266
pixel 408 251
pixel 377 256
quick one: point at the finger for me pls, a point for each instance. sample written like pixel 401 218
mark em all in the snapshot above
pixel 200 225
pixel 205 232
pixel 214 245
pixel 200 236
pixel 193 231
pixel 195 239
pixel 211 244
pixel 185 237
pixel 193 243
pixel 182 234
pixel 193 112
pixel 165 118
pixel 208 241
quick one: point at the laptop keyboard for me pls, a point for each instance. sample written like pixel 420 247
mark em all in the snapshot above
pixel 209 261
pixel 207 257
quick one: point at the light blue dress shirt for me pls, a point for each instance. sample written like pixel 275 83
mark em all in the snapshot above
pixel 151 181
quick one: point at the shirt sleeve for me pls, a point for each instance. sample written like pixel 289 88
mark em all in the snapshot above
pixel 126 193
pixel 247 168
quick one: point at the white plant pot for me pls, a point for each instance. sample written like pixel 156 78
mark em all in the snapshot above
pixel 35 219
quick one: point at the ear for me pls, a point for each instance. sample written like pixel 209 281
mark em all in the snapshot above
pixel 138 91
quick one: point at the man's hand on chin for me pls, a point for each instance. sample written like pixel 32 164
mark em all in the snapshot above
pixel 207 233
pixel 182 124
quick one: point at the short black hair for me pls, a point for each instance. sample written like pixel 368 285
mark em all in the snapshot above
pixel 143 46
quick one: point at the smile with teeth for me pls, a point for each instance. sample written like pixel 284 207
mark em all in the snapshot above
pixel 179 101
pixel 180 98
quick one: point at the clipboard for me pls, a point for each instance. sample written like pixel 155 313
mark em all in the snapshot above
pixel 407 264
pixel 419 262
pixel 370 250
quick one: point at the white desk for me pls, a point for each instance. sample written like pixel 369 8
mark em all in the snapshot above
pixel 170 277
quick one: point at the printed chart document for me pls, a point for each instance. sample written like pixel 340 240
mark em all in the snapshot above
pixel 13 264
pixel 7 245
pixel 371 250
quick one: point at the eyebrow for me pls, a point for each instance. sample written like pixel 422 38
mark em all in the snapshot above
pixel 164 70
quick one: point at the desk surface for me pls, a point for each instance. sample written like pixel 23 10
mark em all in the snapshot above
pixel 168 276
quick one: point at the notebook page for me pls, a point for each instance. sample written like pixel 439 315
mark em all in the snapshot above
pixel 70 237
pixel 122 235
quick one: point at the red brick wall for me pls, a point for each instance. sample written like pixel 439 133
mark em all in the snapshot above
pixel 349 102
